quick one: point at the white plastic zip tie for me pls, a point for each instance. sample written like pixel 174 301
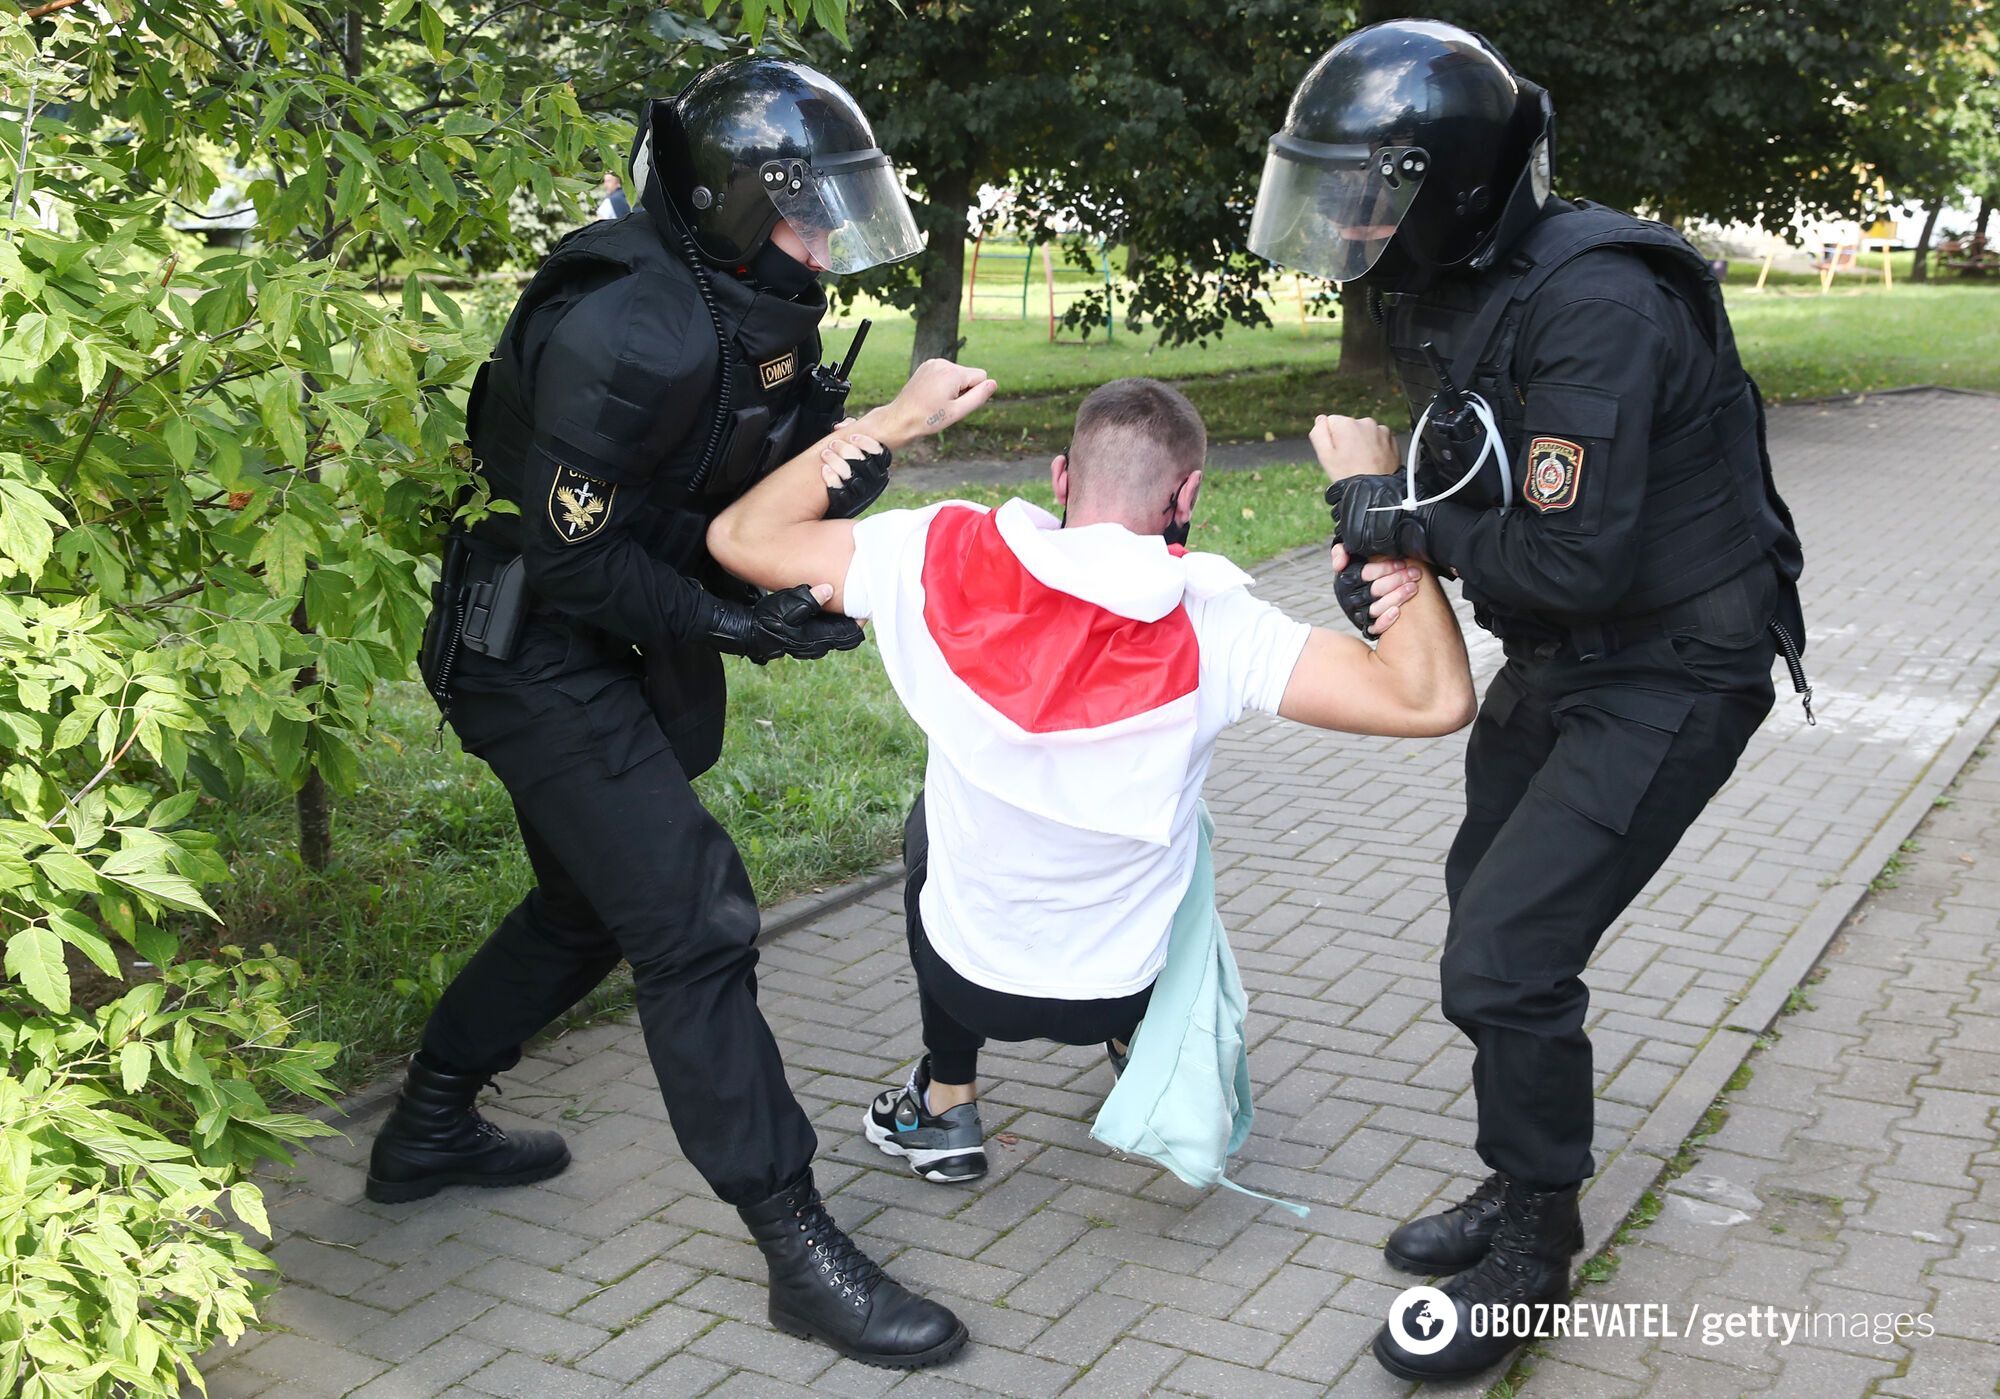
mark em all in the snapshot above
pixel 1493 447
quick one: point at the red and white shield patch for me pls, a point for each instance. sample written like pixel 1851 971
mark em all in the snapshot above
pixel 1555 468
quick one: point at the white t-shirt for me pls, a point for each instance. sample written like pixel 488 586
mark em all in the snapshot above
pixel 1072 684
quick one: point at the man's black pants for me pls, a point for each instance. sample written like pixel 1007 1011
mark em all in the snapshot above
pixel 1580 779
pixel 627 864
pixel 961 1015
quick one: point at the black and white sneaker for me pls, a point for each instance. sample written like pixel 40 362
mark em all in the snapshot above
pixel 946 1146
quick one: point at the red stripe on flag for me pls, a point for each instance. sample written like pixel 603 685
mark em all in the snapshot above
pixel 1048 661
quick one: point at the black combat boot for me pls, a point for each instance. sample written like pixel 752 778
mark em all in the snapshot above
pixel 1452 1241
pixel 435 1137
pixel 825 1288
pixel 1526 1268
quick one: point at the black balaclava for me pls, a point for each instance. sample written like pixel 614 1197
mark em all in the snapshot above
pixel 777 271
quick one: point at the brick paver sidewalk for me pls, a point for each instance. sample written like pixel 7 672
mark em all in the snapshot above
pixel 1855 1178
pixel 1084 1272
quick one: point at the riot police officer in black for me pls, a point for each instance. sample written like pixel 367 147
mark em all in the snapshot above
pixel 654 368
pixel 1618 530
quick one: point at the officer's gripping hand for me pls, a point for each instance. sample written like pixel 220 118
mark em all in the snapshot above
pixel 855 469
pixel 938 395
pixel 785 623
pixel 1369 518
pixel 1371 592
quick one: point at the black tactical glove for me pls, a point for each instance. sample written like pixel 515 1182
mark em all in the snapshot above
pixel 1354 595
pixel 1368 531
pixel 861 490
pixel 786 623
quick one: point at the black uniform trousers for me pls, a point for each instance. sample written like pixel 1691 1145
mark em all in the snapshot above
pixel 1581 777
pixel 960 1015
pixel 628 863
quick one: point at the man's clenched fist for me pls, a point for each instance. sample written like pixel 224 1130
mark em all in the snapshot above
pixel 1352 447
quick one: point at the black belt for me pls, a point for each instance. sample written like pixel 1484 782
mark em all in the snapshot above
pixel 1589 639
pixel 1534 639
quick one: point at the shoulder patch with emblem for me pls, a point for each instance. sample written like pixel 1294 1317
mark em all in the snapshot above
pixel 579 506
pixel 1555 469
pixel 776 371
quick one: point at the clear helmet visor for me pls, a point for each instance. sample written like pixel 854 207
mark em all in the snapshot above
pixel 847 209
pixel 1331 210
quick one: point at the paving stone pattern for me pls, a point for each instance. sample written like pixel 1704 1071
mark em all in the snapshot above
pixel 1856 1178
pixel 1083 1272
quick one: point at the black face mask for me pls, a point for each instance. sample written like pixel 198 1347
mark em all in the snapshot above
pixel 1173 533
pixel 1176 533
pixel 777 271
pixel 1396 271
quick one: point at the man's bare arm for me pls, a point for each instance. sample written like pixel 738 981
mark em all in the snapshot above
pixel 1416 683
pixel 775 537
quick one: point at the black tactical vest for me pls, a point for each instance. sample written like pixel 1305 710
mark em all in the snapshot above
pixel 772 344
pixel 1712 509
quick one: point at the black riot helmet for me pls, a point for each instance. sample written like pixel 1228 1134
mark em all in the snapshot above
pixel 758 139
pixel 1410 146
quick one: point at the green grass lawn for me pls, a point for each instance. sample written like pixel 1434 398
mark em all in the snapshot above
pixel 1273 380
pixel 1270 379
pixel 818 769
pixel 1019 355
pixel 1800 344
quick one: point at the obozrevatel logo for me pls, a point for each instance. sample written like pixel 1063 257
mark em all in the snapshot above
pixel 1423 1320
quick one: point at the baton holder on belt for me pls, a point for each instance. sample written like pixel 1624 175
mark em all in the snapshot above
pixel 494 599
pixel 478 602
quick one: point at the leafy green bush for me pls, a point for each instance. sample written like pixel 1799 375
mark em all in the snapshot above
pixel 128 1135
pixel 123 1130
pixel 222 472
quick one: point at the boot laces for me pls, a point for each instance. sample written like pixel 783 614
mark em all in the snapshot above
pixel 479 1122
pixel 487 1129
pixel 1487 1193
pixel 1501 1274
pixel 841 1261
pixel 1514 1256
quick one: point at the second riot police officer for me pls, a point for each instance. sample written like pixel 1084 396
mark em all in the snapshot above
pixel 655 367
pixel 1590 463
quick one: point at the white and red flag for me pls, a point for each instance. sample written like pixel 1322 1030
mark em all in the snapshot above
pixel 1068 682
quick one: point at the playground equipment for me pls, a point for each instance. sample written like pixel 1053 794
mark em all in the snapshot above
pixel 1303 295
pixel 1025 257
pixel 1841 254
pixel 1845 255
pixel 1004 257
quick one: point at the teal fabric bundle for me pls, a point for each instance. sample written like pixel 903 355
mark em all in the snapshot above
pixel 1184 1098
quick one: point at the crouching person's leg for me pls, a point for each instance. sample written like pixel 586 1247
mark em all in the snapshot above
pixel 932 1120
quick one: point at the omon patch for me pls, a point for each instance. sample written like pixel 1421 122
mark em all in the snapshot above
pixel 578 506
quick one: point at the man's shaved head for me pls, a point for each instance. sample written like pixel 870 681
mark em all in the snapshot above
pixel 1135 441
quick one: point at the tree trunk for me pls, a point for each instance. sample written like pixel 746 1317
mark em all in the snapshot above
pixel 315 811
pixel 1985 213
pixel 942 282
pixel 1920 261
pixel 1364 345
pixel 315 823
pixel 314 804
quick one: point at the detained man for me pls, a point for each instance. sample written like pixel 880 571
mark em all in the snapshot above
pixel 1072 676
